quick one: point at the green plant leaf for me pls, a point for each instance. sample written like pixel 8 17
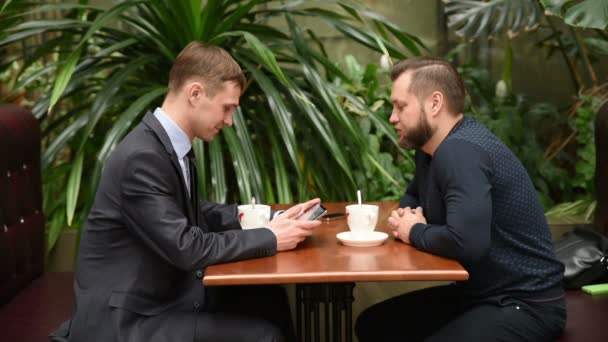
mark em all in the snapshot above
pixel 588 14
pixel 264 53
pixel 63 77
pixel 106 17
pixel 6 3
pixel 353 13
pixel 55 227
pixel 233 18
pixel 281 176
pixel 472 19
pixel 57 7
pixel 199 150
pixel 243 173
pixel 249 162
pixel 571 212
pixel 580 13
pixel 554 7
pixel 383 171
pixel 218 173
pixel 367 39
pixel 281 115
pixel 325 93
pixel 113 85
pixel 73 187
pixel 380 123
pixel 65 135
pixel 211 14
pixel 321 126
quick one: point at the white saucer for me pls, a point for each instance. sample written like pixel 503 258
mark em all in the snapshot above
pixel 374 239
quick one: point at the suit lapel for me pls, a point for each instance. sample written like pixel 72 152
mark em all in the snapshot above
pixel 193 186
pixel 187 198
pixel 160 132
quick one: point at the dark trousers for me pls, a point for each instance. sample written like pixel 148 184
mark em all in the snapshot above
pixel 245 313
pixel 443 314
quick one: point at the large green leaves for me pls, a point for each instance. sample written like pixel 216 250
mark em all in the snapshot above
pixel 581 13
pixel 475 18
pixel 472 19
pixel 67 69
pixel 105 67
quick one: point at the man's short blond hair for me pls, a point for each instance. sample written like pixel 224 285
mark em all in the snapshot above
pixel 208 63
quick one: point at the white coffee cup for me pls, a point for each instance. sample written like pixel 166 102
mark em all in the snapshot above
pixel 254 216
pixel 361 219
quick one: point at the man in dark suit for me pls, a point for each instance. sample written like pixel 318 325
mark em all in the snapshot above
pixel 148 237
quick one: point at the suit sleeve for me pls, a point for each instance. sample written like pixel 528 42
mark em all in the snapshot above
pixel 153 215
pixel 223 217
pixel 463 175
pixel 220 217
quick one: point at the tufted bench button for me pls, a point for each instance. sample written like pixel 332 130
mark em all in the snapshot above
pixel 21 220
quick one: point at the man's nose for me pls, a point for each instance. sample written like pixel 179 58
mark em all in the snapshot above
pixel 228 120
pixel 394 118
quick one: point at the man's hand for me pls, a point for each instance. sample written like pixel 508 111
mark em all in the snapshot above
pixel 290 231
pixel 402 220
pixel 297 210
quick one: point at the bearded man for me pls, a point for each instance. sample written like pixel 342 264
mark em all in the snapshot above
pixel 470 200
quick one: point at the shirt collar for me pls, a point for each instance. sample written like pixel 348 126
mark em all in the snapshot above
pixel 179 139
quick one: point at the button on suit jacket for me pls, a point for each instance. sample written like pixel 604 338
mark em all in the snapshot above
pixel 146 243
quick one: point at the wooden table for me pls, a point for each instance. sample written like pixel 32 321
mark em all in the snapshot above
pixel 324 270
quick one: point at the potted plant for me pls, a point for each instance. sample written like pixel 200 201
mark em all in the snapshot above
pixel 107 66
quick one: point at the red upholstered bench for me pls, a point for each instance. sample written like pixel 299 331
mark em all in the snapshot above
pixel 38 309
pixel 587 318
pixel 32 304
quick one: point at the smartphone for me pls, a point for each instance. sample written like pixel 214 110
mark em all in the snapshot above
pixel 314 213
pixel 333 216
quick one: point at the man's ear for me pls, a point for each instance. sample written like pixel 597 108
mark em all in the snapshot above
pixel 195 92
pixel 436 102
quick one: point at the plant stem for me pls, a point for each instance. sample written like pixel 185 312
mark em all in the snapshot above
pixel 507 70
pixel 561 146
pixel 576 78
pixel 585 55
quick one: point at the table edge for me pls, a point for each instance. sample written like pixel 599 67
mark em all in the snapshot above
pixel 336 277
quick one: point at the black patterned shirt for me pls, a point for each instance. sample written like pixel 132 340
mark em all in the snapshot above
pixel 482 210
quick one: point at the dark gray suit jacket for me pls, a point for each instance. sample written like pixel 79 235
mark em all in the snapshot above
pixel 144 248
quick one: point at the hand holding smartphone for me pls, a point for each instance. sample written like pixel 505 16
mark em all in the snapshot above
pixel 313 213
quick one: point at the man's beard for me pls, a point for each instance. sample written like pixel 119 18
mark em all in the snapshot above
pixel 417 136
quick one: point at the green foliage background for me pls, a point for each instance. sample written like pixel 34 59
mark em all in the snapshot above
pixel 308 125
pixel 293 137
